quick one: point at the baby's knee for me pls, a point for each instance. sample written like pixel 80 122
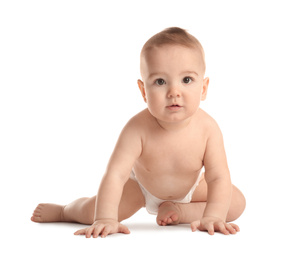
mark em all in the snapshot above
pixel 238 205
pixel 88 210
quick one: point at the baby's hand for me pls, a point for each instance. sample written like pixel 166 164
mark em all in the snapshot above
pixel 212 224
pixel 103 227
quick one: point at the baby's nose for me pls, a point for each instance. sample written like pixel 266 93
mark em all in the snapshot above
pixel 173 92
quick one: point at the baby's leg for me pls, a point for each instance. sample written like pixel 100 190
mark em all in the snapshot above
pixel 83 210
pixel 174 213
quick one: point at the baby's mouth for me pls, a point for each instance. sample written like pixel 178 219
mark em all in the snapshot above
pixel 174 107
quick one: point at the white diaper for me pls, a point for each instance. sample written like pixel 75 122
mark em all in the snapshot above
pixel 153 203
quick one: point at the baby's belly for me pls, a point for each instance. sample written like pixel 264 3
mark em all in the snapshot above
pixel 167 186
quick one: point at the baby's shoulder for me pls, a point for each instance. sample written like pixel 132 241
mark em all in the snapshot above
pixel 140 120
pixel 209 124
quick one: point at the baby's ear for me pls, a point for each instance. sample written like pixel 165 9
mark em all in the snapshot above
pixel 142 89
pixel 205 88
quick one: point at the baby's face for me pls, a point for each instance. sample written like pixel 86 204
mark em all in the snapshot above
pixel 173 82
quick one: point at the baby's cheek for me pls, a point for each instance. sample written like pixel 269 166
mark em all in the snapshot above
pixel 152 101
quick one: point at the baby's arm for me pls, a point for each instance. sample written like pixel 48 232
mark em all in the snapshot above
pixel 217 176
pixel 127 150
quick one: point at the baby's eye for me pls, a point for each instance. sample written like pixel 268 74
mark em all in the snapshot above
pixel 187 80
pixel 160 82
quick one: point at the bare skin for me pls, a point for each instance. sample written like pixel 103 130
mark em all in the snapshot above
pixel 83 210
pixel 166 145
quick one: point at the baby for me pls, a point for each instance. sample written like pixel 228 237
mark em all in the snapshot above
pixel 158 159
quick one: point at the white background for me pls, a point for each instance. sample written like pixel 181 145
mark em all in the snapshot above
pixel 68 72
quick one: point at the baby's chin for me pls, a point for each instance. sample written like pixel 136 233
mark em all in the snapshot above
pixel 174 123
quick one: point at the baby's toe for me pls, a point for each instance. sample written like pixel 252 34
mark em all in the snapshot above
pixel 169 221
pixel 36 219
pixel 174 217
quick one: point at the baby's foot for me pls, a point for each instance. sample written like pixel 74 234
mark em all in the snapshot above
pixel 168 214
pixel 48 213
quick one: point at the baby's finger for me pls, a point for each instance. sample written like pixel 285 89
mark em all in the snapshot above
pixel 97 230
pixel 230 228
pixel 210 228
pixel 123 229
pixel 80 232
pixel 195 225
pixel 236 227
pixel 106 231
pixel 89 231
pixel 222 228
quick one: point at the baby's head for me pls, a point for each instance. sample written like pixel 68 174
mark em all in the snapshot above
pixel 172 36
pixel 172 69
